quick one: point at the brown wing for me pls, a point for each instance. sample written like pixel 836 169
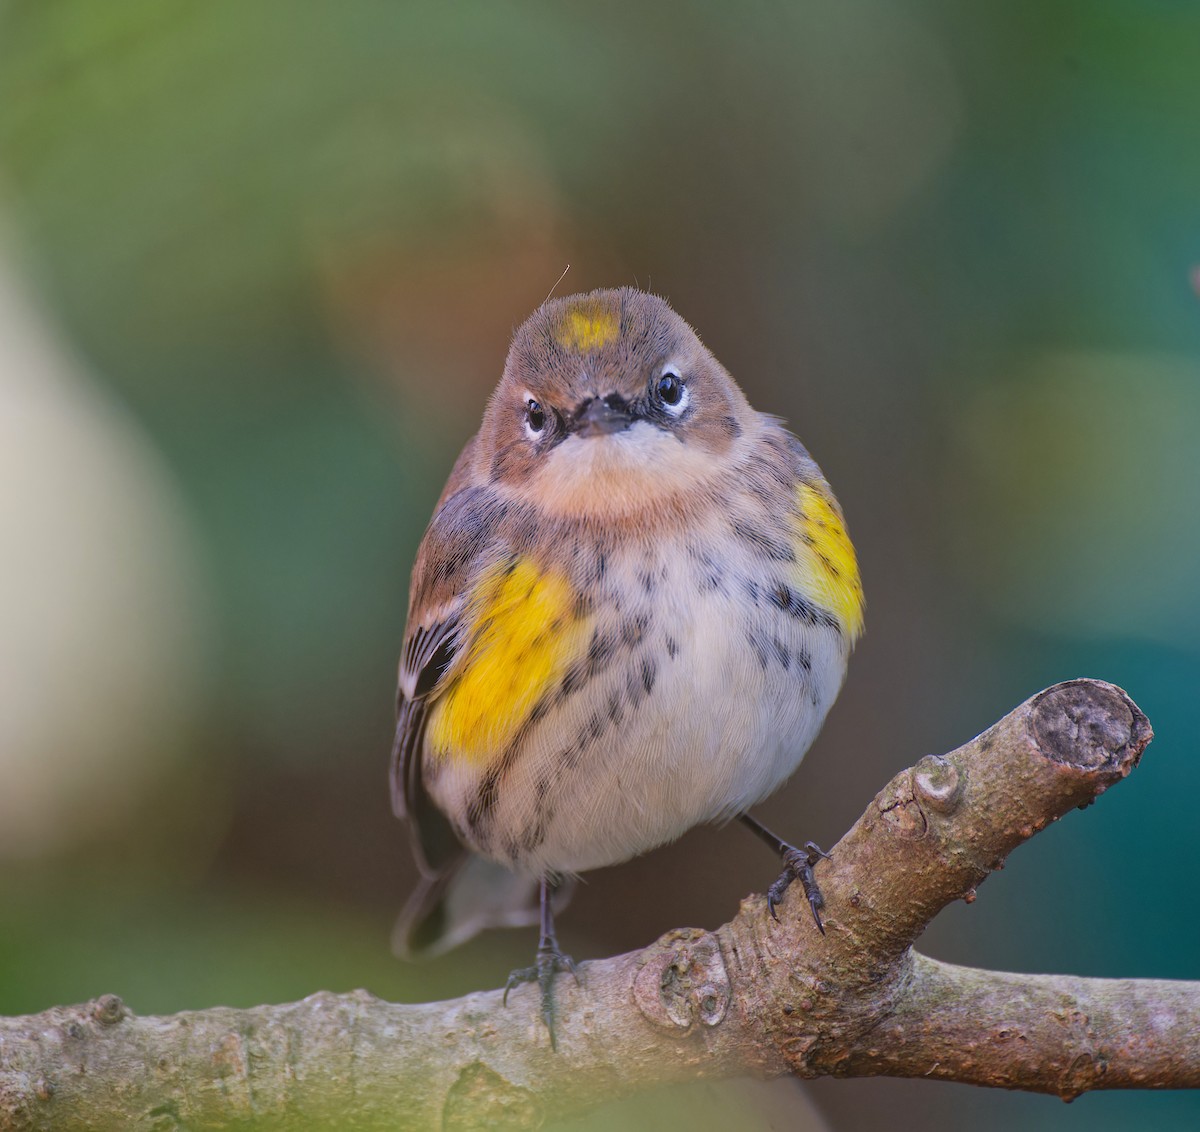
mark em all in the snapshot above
pixel 432 651
pixel 459 543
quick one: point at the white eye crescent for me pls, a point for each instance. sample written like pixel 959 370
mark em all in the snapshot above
pixel 535 416
pixel 671 392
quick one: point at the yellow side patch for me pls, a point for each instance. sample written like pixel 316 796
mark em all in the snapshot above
pixel 588 326
pixel 522 639
pixel 825 560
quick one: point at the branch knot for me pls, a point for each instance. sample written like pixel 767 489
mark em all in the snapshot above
pixel 683 980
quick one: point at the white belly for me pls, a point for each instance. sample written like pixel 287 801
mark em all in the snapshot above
pixel 711 697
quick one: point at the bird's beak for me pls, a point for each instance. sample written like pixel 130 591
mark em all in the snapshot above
pixel 598 416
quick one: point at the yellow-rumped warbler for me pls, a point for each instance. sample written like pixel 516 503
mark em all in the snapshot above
pixel 630 614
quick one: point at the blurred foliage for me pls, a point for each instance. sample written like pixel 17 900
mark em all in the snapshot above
pixel 269 259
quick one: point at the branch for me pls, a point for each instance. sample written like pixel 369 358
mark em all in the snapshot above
pixel 753 997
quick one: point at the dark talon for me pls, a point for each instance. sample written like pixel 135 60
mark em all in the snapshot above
pixel 549 962
pixel 797 866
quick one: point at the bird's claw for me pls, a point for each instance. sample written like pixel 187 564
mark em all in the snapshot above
pixel 798 865
pixel 550 961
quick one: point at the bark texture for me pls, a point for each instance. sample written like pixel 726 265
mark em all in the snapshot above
pixel 752 997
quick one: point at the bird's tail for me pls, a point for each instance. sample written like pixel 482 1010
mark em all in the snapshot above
pixel 468 895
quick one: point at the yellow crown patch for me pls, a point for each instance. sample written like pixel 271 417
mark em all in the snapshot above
pixel 588 326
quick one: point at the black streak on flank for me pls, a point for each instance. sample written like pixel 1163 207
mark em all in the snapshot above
pixel 572 681
pixel 785 598
pixel 484 803
pixel 763 544
pixel 588 734
pixel 768 649
pixel 710 572
pixel 672 647
pixel 649 672
pixel 635 685
pixel 599 656
pixel 600 651
pixel 592 731
pixel 790 602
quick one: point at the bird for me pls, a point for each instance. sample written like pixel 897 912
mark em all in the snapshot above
pixel 631 611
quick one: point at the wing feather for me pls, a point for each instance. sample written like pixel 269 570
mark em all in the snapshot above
pixel 455 549
pixel 423 672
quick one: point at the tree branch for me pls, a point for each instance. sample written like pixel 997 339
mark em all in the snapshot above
pixel 753 997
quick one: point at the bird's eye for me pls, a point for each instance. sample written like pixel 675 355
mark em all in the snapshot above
pixel 535 417
pixel 671 393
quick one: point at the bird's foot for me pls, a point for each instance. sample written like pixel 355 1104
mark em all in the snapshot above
pixel 550 961
pixel 798 865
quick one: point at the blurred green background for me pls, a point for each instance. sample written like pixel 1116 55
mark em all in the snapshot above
pixel 259 264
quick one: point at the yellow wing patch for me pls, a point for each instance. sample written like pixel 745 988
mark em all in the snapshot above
pixel 588 326
pixel 523 637
pixel 825 559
